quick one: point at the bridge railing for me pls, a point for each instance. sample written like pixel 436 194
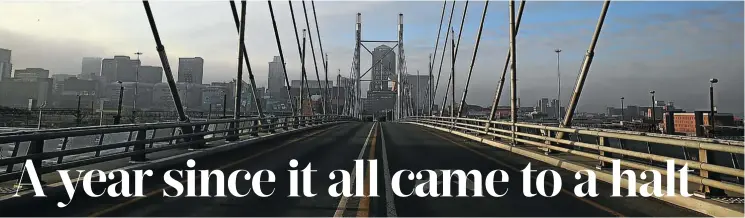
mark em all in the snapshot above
pixel 717 163
pixel 57 149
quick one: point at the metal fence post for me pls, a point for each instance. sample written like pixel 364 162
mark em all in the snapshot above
pixel 704 191
pixel 234 132
pixel 272 125
pixel 548 151
pixel 36 147
pixel 139 147
pixel 602 141
pixel 255 128
pixel 198 130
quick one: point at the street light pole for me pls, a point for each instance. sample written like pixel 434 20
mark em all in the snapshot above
pixel 711 105
pixel 137 83
pixel 41 108
pixel 224 104
pixel 118 117
pixel 78 114
pixel 623 115
pixel 654 119
pixel 558 86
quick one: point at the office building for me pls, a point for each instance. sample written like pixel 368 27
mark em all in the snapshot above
pixel 90 68
pixel 31 74
pixel 381 97
pixel 38 91
pixel 151 74
pixel 5 65
pixel 218 96
pixel 190 70
pixel 108 70
pixel 419 85
pixel 313 84
pixel 57 81
pixel 696 123
pixel 67 93
pixel 384 70
pixel 276 80
pixel 125 69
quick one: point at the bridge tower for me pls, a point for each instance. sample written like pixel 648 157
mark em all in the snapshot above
pixel 378 96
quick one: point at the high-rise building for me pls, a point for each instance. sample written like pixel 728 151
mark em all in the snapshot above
pixel 384 69
pixel 31 74
pixel 419 85
pixel 91 67
pixel 276 80
pixel 5 65
pixel 151 74
pixel 543 105
pixel 125 70
pixel 190 70
pixel 108 70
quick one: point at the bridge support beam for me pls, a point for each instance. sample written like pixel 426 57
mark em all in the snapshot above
pixel 35 147
pixel 583 72
pixel 705 191
pixel 139 147
pixel 167 69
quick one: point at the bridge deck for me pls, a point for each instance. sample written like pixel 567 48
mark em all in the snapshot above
pixel 395 146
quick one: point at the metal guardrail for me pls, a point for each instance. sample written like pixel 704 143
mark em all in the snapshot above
pixel 89 145
pixel 717 162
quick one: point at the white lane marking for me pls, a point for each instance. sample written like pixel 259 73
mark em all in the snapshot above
pixel 343 201
pixel 389 204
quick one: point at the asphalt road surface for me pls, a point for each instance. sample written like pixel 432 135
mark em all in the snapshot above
pixel 394 146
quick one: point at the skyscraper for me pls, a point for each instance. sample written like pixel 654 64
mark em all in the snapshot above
pixel 384 69
pixel 190 70
pixel 91 67
pixel 276 78
pixel 5 65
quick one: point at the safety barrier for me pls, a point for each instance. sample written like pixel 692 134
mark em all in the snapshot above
pixel 635 150
pixel 89 145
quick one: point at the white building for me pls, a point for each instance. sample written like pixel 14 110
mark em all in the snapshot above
pixel 190 70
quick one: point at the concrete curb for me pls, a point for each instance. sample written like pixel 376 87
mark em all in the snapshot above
pixel 693 203
pixel 49 189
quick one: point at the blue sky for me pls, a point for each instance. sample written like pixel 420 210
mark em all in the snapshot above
pixel 670 47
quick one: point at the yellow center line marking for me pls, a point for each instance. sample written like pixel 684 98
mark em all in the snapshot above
pixel 364 206
pixel 342 206
pixel 591 203
pixel 150 194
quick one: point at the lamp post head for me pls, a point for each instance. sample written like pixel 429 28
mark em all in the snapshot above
pixel 713 80
pixel 651 92
pixel 622 98
pixel 557 50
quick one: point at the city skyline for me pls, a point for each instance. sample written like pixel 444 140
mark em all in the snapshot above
pixel 659 60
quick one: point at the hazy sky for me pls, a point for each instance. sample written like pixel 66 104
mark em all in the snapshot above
pixel 670 47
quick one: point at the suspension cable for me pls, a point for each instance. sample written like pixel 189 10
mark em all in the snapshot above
pixel 281 55
pixel 257 101
pixel 442 56
pixel 315 63
pixel 473 60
